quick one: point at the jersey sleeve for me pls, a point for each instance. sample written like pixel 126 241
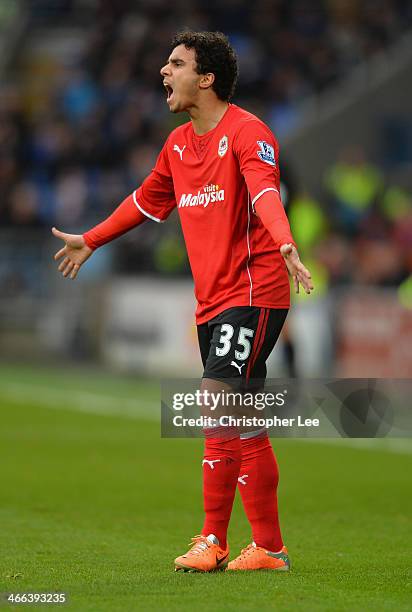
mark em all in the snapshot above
pixel 155 198
pixel 258 153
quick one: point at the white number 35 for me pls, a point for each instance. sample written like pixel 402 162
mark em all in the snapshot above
pixel 227 332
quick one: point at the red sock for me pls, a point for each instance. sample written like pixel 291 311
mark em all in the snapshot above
pixel 258 481
pixel 221 465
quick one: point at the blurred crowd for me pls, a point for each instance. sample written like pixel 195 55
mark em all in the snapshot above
pixel 79 130
pixel 360 230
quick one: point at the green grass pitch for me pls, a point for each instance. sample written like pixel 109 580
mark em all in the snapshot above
pixel 94 503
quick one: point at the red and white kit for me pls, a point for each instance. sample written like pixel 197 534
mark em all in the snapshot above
pixel 214 181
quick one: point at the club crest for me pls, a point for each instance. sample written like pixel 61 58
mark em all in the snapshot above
pixel 266 153
pixel 223 144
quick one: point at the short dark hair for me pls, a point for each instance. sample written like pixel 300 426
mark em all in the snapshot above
pixel 214 54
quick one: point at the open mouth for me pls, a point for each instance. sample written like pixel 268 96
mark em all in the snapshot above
pixel 169 91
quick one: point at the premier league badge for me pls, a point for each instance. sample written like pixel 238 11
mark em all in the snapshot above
pixel 266 153
pixel 222 149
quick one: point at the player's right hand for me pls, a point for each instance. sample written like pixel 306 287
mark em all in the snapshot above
pixel 75 252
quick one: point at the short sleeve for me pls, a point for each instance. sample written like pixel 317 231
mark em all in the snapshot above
pixel 155 198
pixel 258 153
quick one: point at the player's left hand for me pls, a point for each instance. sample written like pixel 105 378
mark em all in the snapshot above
pixel 298 272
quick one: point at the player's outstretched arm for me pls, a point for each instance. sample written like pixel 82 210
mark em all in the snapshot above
pixel 270 210
pixel 298 272
pixel 74 253
pixel 78 248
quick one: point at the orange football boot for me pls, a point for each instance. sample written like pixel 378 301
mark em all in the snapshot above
pixel 255 558
pixel 205 555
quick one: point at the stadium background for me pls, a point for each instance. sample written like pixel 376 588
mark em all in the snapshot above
pixel 82 118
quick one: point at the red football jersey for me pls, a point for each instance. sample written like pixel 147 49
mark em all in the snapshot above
pixel 215 180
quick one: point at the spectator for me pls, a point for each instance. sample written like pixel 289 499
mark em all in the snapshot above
pixel 353 186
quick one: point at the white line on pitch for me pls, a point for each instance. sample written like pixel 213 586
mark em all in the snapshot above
pixel 390 445
pixel 79 401
pixel 106 405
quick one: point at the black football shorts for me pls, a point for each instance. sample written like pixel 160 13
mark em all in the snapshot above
pixel 236 344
